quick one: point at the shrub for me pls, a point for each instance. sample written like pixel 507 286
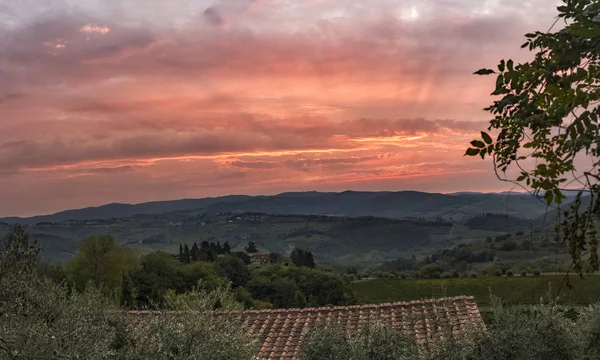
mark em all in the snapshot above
pixel 498 272
pixel 524 273
pixel 196 335
pixel 41 320
pixel 52 321
pixel 509 273
pixel 537 272
pixel 474 275
pixel 328 344
pixel 588 332
pixel 376 342
pixel 539 334
pixel 453 348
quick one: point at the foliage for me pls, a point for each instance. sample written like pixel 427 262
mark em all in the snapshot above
pixel 300 257
pixel 200 299
pixel 235 269
pixel 39 319
pixel 547 118
pixel 160 272
pixel 129 293
pixel 18 255
pixel 42 320
pixel 55 272
pixel 498 222
pixel 191 331
pixel 290 286
pixel 375 342
pixel 542 333
pixel 101 262
pixel 251 248
pixel 539 333
pixel 46 319
pixel 329 343
pixel 245 258
pixel 207 251
pixel 588 324
pixel 458 259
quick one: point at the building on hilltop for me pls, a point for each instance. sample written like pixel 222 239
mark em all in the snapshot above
pixel 282 331
pixel 259 259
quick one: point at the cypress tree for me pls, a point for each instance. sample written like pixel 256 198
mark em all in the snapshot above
pixel 195 253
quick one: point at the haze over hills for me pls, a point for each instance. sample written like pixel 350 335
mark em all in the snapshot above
pixel 348 227
pixel 402 204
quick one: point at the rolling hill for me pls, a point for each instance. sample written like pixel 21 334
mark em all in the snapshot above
pixel 397 205
pixel 352 228
pixel 357 241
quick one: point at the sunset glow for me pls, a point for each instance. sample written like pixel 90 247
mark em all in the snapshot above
pixel 125 102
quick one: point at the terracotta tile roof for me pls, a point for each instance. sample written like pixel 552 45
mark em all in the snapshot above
pixel 282 331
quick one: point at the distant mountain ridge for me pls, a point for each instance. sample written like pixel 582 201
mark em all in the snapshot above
pixel 401 204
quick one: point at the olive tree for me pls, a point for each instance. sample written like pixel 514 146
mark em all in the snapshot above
pixel 374 342
pixel 546 118
pixel 42 320
pixel 191 329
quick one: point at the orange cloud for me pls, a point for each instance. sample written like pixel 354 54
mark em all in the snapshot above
pixel 330 95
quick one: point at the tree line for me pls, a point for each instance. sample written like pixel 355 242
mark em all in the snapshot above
pixel 146 281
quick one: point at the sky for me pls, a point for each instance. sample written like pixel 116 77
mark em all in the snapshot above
pixel 137 100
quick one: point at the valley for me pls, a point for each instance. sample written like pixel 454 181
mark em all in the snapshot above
pixel 359 229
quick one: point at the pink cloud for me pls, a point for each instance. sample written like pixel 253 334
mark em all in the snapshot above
pixel 99 29
pixel 323 96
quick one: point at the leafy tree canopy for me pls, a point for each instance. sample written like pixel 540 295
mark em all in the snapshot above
pixel 546 120
pixel 102 261
pixel 251 248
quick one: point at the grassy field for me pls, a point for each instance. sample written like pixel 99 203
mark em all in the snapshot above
pixel 513 290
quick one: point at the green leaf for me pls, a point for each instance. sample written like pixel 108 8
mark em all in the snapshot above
pixel 549 196
pixel 510 65
pixel 501 91
pixel 484 72
pixel 586 32
pixel 486 138
pixel 482 153
pixel 558 196
pixel 478 144
pixel 528 145
pixel 501 66
pixel 499 82
pixel 471 152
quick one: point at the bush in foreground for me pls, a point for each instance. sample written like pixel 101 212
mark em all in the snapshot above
pixel 377 342
pixel 41 320
pixel 540 333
